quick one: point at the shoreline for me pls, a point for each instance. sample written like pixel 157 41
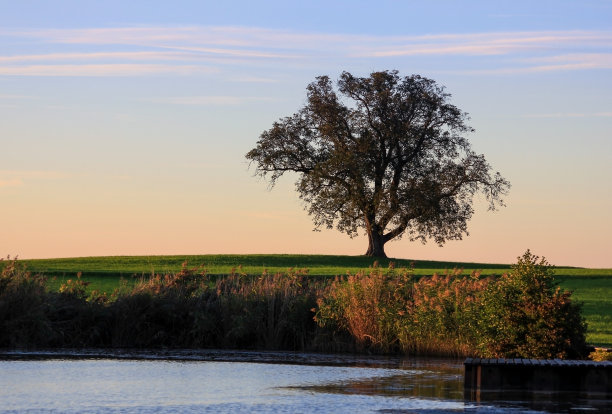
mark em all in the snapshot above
pixel 233 355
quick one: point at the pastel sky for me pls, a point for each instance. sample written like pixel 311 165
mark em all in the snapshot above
pixel 124 124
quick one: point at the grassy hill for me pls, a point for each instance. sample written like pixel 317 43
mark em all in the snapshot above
pixel 318 265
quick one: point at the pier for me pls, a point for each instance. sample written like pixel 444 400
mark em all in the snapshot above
pixel 518 378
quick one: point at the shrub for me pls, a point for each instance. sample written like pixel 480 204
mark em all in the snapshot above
pixel 601 354
pixel 526 315
pixel 76 288
pixel 77 321
pixel 523 314
pixel 23 321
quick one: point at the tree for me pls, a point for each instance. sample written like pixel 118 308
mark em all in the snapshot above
pixel 387 154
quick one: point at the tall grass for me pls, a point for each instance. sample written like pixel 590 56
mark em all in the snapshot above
pixel 522 315
pixel 384 310
pixel 190 309
pixel 22 307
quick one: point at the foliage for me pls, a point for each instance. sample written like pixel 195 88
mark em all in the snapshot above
pixel 189 309
pixel 526 315
pixel 32 316
pixel 273 311
pixel 593 287
pixel 444 314
pixel 384 310
pixel 392 312
pixel 23 320
pixel 601 355
pixel 369 306
pixel 387 156
pixel 76 287
pixel 523 314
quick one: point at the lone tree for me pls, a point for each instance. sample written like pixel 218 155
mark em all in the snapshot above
pixel 384 153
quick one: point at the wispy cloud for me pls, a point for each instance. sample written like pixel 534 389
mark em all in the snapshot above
pixel 228 36
pixel 13 101
pixel 211 100
pixel 260 42
pixel 571 115
pixel 13 182
pixel 197 49
pixel 574 61
pixel 501 43
pixel 87 56
pixel 17 178
pixel 568 62
pixel 108 69
pixel 276 215
pixel 39 174
pixel 6 96
pixel 254 79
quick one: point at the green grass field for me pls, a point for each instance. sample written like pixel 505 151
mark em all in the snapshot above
pixel 593 287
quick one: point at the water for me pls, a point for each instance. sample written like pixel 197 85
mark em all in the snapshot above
pixel 237 382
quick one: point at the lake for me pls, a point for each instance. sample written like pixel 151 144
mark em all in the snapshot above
pixel 102 381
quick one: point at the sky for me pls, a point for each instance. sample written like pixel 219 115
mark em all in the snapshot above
pixel 124 125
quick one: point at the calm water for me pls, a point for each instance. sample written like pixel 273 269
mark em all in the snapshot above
pixel 237 382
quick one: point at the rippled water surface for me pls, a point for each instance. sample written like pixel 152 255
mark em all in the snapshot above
pixel 222 382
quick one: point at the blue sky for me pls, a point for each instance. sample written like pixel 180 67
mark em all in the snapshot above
pixel 124 124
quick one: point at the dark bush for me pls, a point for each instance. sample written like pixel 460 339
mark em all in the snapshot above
pixel 23 307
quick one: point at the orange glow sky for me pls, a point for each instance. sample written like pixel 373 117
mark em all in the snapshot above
pixel 123 129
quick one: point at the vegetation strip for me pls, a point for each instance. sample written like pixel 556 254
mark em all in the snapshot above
pixel 593 287
pixel 522 314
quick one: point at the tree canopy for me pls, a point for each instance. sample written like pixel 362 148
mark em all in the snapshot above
pixel 384 153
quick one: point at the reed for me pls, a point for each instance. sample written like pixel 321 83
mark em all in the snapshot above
pixel 23 320
pixel 523 314
pixel 382 310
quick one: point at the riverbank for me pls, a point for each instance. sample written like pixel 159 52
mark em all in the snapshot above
pixel 592 287
pixel 382 311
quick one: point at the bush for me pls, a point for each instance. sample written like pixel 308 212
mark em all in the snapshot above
pixel 601 354
pixel 23 319
pixel 526 315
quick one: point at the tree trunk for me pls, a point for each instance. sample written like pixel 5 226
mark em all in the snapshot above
pixel 376 244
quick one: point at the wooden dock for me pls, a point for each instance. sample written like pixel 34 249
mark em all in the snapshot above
pixel 492 378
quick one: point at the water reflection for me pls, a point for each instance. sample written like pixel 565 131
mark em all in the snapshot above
pixel 186 381
pixel 412 384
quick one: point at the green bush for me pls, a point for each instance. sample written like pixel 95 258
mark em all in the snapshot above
pixel 526 315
